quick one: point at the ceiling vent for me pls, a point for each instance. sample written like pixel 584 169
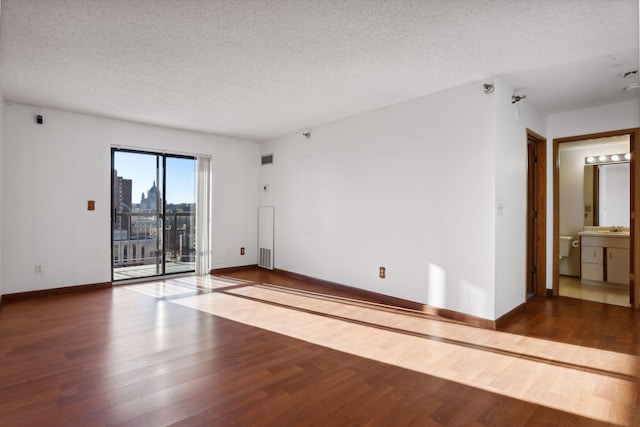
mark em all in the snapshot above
pixel 267 159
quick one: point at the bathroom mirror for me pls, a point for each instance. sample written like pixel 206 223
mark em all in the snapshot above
pixel 606 195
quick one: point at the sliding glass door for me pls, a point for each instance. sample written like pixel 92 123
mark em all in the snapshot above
pixel 153 214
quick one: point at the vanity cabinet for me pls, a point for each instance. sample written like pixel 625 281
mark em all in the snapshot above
pixel 618 265
pixel 605 259
pixel 592 263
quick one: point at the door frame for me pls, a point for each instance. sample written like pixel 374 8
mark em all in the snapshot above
pixel 537 252
pixel 634 202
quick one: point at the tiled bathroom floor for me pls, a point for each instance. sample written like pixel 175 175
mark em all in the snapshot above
pixel 571 287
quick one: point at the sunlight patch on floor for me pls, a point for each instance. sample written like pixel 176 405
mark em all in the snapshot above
pixel 598 384
pixel 183 286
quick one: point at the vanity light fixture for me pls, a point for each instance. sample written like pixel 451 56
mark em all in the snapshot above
pixel 605 159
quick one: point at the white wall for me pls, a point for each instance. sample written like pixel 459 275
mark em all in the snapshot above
pixel 604 118
pixel 511 123
pixel 1 192
pixel 571 162
pixel 51 170
pixel 411 187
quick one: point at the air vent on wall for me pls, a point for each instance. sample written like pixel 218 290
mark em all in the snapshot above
pixel 267 159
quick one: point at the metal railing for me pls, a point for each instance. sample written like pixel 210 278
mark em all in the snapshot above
pixel 151 239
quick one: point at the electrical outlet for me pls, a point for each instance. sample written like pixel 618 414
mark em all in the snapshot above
pixel 241 251
pixel 383 272
pixel 38 269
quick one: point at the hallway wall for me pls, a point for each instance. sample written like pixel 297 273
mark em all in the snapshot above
pixel 413 187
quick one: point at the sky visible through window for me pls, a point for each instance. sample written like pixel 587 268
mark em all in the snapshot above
pixel 140 168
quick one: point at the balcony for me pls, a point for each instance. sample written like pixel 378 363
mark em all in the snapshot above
pixel 147 244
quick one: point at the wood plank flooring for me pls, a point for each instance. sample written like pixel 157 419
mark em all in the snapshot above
pixel 154 354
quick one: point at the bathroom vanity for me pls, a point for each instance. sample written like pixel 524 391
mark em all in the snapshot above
pixel 604 257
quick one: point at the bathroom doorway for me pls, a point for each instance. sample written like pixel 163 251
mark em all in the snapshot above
pixel 599 263
pixel 536 214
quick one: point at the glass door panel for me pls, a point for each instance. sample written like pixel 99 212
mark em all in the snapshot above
pixel 180 215
pixel 137 214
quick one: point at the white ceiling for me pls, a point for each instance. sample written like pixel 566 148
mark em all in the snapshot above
pixel 263 69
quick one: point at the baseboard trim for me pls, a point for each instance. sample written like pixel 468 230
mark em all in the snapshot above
pixel 55 291
pixel 397 302
pixel 467 319
pixel 508 317
pixel 227 270
pixel 386 299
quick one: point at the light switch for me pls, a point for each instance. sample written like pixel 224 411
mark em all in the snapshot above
pixel 91 205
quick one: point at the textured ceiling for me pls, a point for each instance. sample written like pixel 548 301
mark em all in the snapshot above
pixel 262 69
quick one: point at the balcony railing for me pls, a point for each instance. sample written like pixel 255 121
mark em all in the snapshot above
pixel 148 244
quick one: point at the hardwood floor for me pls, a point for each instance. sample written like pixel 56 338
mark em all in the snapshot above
pixel 281 352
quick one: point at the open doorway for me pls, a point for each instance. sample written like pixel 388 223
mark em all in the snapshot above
pixel 594 233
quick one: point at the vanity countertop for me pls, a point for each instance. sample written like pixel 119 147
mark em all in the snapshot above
pixel 604 233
